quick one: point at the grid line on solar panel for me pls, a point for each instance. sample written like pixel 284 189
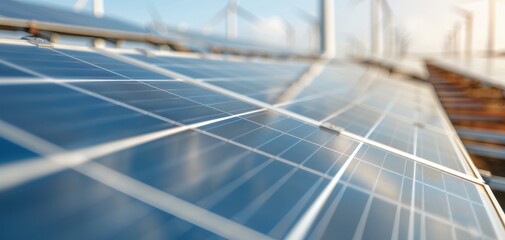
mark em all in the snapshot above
pixel 261 104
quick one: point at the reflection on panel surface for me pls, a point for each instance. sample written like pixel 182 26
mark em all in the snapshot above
pixel 68 205
pixel 259 192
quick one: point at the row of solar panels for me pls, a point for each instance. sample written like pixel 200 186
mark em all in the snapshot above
pixel 47 19
pixel 117 144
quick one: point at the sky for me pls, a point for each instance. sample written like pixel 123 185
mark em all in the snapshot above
pixel 426 23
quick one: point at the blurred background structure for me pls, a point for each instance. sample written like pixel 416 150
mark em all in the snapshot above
pixel 189 119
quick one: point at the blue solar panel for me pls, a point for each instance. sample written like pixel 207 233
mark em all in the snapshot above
pixel 243 168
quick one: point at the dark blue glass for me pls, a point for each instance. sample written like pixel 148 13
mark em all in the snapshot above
pixel 71 119
pixel 68 205
pixel 11 152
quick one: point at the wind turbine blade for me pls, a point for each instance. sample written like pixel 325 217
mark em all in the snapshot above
pixel 207 28
pixel 247 15
pixel 79 5
pixel 307 16
pixel 156 19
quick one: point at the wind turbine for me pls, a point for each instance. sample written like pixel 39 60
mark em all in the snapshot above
pixel 388 34
pixel 290 32
pixel 229 13
pixel 314 25
pixel 491 25
pixel 447 44
pixel 455 37
pixel 468 16
pixel 98 8
pixel 375 19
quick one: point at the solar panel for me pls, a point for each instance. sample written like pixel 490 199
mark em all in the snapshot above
pixel 116 144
